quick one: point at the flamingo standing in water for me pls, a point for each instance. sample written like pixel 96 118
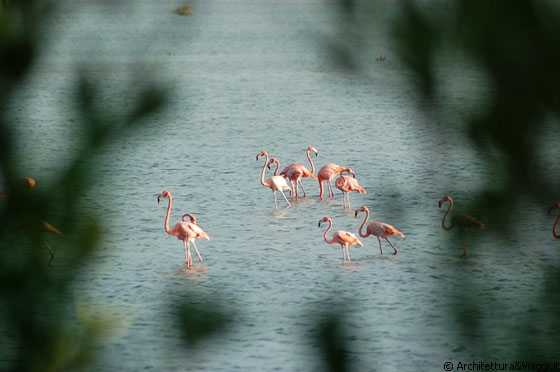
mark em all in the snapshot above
pixel 378 229
pixel 555 226
pixel 29 183
pixel 275 183
pixel 296 171
pixel 327 173
pixel 347 185
pixel 188 232
pixel 462 221
pixel 344 238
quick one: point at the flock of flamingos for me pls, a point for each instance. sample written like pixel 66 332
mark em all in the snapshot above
pixel 189 231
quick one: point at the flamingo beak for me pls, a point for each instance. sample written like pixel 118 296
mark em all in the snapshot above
pixel 356 213
pixel 439 203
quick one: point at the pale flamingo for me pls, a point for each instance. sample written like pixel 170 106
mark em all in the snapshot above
pixel 275 183
pixel 347 185
pixel 378 229
pixel 274 161
pixel 190 216
pixel 186 231
pixel 27 183
pixel 327 173
pixel 344 238
pixel 296 171
pixel 555 226
pixel 462 221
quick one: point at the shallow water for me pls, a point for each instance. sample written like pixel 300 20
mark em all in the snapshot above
pixel 248 76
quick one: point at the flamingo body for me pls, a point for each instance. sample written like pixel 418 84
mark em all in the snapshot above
pixel 378 229
pixel 188 232
pixel 461 221
pixel 296 171
pixel 347 185
pixel 275 183
pixel 344 238
pixel 327 173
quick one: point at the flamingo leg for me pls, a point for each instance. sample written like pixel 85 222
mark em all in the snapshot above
pixel 197 252
pixel 50 251
pixel 287 201
pixel 188 257
pixel 396 250
pixel 465 249
pixel 347 253
pixel 343 253
pixel 301 185
pixel 331 192
pixel 186 254
pixel 275 202
pixel 380 249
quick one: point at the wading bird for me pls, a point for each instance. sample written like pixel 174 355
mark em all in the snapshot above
pixel 186 231
pixel 347 185
pixel 378 229
pixel 275 183
pixel 327 173
pixel 344 238
pixel 461 221
pixel 27 183
pixel 296 171
pixel 555 226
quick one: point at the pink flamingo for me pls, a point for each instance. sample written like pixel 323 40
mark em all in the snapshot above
pixel 462 221
pixel 347 185
pixel 190 216
pixel 275 183
pixel 296 171
pixel 555 226
pixel 344 238
pixel 327 173
pixel 274 161
pixel 378 229
pixel 186 231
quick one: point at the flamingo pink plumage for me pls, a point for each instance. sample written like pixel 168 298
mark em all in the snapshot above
pixel 555 226
pixel 327 173
pixel 378 229
pixel 186 231
pixel 275 183
pixel 347 185
pixel 296 171
pixel 344 238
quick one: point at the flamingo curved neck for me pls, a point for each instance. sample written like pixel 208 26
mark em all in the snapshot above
pixel 362 235
pixel 263 182
pixel 447 228
pixel 326 233
pixel 554 228
pixel 310 161
pixel 166 224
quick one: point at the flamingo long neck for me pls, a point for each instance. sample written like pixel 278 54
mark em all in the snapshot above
pixel 277 167
pixel 326 233
pixel 166 224
pixel 554 232
pixel 363 224
pixel 310 161
pixel 447 228
pixel 263 182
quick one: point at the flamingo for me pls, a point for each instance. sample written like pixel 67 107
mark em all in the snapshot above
pixel 378 229
pixel 190 216
pixel 296 171
pixel 275 183
pixel 344 238
pixel 462 221
pixel 186 231
pixel 29 183
pixel 327 173
pixel 274 161
pixel 555 226
pixel 347 185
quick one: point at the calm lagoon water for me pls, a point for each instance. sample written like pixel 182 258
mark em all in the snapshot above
pixel 247 76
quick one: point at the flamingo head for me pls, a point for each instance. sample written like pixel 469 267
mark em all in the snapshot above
pixel 324 219
pixel 362 209
pixel 263 153
pixel 164 194
pixel 311 148
pixel 446 198
pixel 272 161
pixel 190 216
pixel 555 206
pixel 349 170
